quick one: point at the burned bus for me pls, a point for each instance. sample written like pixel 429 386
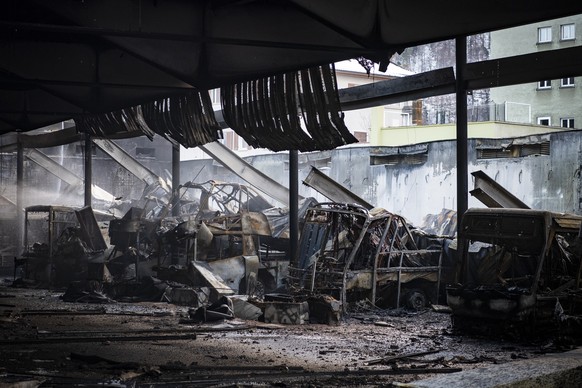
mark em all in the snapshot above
pixel 516 269
pixel 352 253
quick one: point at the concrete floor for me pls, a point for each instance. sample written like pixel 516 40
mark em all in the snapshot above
pixel 47 342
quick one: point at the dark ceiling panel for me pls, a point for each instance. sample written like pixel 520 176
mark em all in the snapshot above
pixel 106 55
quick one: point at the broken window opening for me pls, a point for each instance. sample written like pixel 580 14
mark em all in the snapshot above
pixel 414 154
pixel 392 160
pixel 514 151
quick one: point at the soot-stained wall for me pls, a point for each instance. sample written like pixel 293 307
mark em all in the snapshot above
pixel 418 180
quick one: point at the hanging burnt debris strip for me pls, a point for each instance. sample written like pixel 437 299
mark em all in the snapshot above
pixel 294 111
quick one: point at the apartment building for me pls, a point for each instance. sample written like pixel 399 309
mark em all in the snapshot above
pixel 555 103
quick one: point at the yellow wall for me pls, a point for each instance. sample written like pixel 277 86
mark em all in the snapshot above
pixel 398 136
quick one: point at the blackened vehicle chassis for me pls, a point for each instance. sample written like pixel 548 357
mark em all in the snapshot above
pixel 353 253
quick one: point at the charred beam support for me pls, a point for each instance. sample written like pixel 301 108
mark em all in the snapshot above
pixel 53 167
pixel 550 64
pixel 65 175
pixel 293 205
pixel 20 193
pixel 175 194
pixel 412 87
pixel 132 165
pixel 175 179
pixel 88 169
pixel 462 138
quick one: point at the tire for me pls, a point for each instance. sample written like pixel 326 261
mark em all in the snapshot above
pixel 415 299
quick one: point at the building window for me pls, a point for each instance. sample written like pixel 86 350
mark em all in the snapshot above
pixel 361 136
pixel 229 139
pixel 242 144
pixel 545 84
pixel 544 34
pixel 513 150
pixel 441 117
pixel 567 122
pixel 546 120
pixel 405 119
pixel 568 31
pixel 567 82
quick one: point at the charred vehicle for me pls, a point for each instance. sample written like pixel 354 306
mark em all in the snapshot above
pixel 225 237
pixel 227 223
pixel 352 253
pixel 517 267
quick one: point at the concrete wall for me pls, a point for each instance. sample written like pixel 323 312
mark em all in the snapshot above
pixel 549 182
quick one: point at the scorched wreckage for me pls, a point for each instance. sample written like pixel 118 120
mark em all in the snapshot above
pixel 517 270
pixel 228 238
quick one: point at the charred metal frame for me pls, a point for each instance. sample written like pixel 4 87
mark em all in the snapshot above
pixel 504 301
pixel 375 248
pixel 44 260
pixel 53 222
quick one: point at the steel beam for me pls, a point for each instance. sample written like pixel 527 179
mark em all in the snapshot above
pixel 132 165
pixel 333 190
pixel 550 64
pixel 64 174
pixel 293 206
pixel 492 194
pixel 88 169
pixel 20 195
pixel 462 128
pixel 240 167
pixel 412 87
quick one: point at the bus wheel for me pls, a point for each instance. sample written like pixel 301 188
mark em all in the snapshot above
pixel 415 299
